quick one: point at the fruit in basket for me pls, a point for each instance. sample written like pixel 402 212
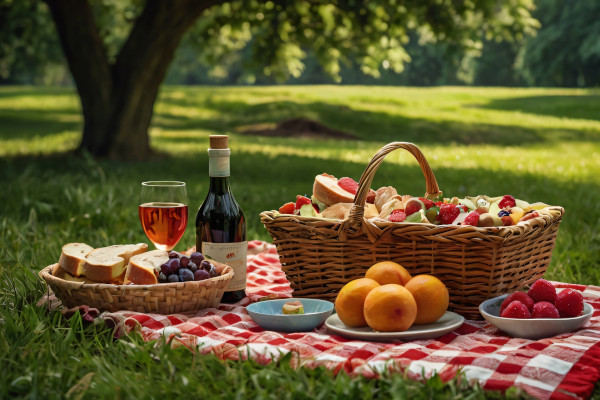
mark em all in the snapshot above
pixel 385 272
pixel 448 213
pixel 397 216
pixel 390 308
pixel 471 219
pixel 348 184
pixel 507 201
pixel 413 205
pixel 327 190
pixel 520 296
pixel 287 208
pixel 569 303
pixel 431 296
pixel 544 309
pixel 516 213
pixel 542 290
pixel 516 309
pixel 350 301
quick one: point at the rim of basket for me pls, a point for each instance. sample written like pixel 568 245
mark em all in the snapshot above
pixel 46 275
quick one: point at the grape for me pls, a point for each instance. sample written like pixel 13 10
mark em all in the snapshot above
pixel 201 275
pixel 184 261
pixel 162 278
pixel 174 264
pixel 206 265
pixel 197 257
pixel 192 266
pixel 173 254
pixel 213 271
pixel 166 269
pixel 173 278
pixel 186 275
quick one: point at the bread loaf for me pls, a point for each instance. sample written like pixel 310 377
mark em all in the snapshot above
pixel 143 268
pixel 327 191
pixel 108 264
pixel 73 256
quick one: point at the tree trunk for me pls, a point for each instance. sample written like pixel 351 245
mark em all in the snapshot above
pixel 117 101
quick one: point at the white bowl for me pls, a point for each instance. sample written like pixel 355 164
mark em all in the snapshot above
pixel 534 328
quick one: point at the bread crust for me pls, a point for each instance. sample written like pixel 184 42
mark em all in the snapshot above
pixel 143 268
pixel 72 257
pixel 327 191
pixel 108 264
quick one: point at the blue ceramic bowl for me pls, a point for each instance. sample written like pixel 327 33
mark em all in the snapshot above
pixel 269 316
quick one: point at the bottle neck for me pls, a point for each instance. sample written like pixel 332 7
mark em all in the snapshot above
pixel 219 184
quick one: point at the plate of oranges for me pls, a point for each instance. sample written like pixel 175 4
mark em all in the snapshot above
pixel 389 303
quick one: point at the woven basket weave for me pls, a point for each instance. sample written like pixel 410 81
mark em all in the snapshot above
pixel 163 298
pixel 319 256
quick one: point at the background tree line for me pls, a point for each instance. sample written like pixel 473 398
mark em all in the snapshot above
pixel 564 52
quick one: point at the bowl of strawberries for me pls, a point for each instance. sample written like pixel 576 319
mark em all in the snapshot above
pixel 541 312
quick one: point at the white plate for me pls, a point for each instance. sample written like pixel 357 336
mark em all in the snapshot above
pixel 447 323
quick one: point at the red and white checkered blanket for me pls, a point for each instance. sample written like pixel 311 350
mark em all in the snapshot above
pixel 562 367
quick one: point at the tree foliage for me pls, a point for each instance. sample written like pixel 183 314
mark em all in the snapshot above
pixel 566 51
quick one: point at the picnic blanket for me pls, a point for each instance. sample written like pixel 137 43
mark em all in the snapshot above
pixel 562 367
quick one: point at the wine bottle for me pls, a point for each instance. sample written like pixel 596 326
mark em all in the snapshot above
pixel 220 222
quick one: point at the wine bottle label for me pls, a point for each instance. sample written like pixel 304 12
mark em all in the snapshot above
pixel 218 162
pixel 232 254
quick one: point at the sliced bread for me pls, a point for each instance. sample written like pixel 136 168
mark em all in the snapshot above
pixel 327 191
pixel 73 256
pixel 143 268
pixel 108 264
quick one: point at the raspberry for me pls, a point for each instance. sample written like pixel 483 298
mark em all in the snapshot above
pixel 448 213
pixel 543 309
pixel 302 200
pixel 516 309
pixel 542 290
pixel 471 219
pixel 507 220
pixel 569 303
pixel 520 296
pixel 397 216
pixel 507 202
pixel 287 208
pixel 348 184
pixel 428 203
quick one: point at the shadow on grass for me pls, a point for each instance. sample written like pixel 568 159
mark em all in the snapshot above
pixel 576 107
pixel 366 125
pixel 28 124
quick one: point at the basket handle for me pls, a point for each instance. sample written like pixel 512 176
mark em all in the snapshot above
pixel 355 218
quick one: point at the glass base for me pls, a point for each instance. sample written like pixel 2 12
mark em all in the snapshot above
pixel 233 297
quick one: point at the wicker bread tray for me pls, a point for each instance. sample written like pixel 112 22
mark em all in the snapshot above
pixel 162 298
pixel 319 256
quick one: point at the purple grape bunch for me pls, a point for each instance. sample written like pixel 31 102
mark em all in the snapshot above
pixel 181 268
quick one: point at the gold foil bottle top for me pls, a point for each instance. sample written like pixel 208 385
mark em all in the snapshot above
pixel 218 141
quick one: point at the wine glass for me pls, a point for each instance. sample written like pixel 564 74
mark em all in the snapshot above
pixel 163 212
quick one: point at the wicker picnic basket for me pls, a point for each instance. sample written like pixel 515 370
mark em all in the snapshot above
pixel 163 298
pixel 319 256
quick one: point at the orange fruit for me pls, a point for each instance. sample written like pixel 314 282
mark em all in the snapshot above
pixel 350 301
pixel 385 272
pixel 390 308
pixel 431 296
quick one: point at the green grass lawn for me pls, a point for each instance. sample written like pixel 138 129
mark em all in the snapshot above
pixel 537 144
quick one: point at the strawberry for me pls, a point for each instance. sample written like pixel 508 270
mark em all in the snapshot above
pixel 507 202
pixel 428 203
pixel 302 200
pixel 287 208
pixel 371 196
pixel 531 215
pixel 471 219
pixel 348 184
pixel 448 213
pixel 397 216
